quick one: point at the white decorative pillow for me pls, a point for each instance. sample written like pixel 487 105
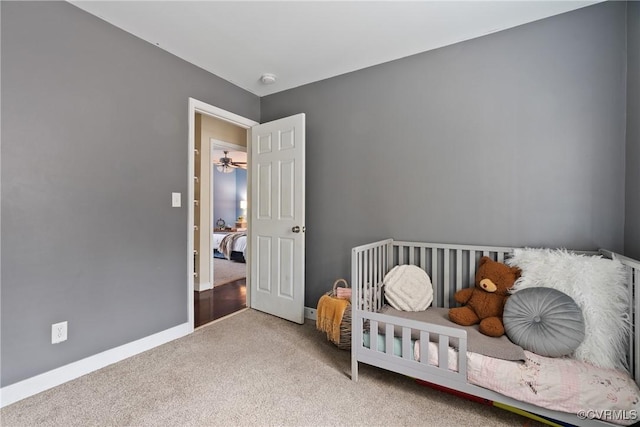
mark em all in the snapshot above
pixel 408 288
pixel 597 285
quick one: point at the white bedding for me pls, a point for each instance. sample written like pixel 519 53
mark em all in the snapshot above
pixel 240 245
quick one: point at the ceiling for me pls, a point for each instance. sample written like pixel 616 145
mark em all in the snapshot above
pixel 306 41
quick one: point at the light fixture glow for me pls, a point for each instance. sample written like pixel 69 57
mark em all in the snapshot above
pixel 225 168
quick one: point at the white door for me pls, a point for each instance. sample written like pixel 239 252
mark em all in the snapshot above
pixel 278 218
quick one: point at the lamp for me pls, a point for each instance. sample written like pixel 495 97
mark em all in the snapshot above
pixel 225 168
pixel 242 222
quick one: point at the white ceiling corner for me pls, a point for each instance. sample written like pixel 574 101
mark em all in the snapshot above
pixel 306 41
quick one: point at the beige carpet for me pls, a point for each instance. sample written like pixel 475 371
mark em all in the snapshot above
pixel 251 369
pixel 225 271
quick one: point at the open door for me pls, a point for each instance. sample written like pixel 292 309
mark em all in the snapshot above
pixel 278 217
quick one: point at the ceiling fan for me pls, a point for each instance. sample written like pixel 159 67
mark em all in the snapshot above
pixel 227 165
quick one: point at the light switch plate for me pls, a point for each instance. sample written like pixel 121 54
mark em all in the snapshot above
pixel 176 200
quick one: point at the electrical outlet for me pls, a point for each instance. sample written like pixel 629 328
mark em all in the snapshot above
pixel 310 313
pixel 58 332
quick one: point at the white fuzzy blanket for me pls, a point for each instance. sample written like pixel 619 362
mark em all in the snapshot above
pixel 597 285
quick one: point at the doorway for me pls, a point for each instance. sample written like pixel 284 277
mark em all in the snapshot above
pixel 210 128
pixel 228 210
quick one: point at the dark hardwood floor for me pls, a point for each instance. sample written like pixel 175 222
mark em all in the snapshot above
pixel 220 301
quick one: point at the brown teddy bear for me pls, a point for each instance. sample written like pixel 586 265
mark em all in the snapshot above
pixel 484 303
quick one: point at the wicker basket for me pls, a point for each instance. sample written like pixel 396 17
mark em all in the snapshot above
pixel 345 325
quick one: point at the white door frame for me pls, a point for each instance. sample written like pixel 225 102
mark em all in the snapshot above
pixel 196 106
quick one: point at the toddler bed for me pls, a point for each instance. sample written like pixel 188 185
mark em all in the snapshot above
pixel 426 346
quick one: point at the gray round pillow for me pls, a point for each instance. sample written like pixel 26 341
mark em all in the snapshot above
pixel 544 321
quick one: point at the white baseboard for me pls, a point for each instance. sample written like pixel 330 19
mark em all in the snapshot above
pixel 34 385
pixel 203 286
pixel 310 313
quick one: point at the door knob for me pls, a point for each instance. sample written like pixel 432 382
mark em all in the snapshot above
pixel 295 229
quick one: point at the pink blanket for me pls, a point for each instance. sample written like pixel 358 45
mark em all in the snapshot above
pixel 560 384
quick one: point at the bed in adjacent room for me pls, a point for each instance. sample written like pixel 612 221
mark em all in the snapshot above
pixel 230 245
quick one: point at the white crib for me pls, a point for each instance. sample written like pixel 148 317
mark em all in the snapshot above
pixel 451 268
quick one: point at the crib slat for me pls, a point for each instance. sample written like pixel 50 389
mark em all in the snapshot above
pixel 434 278
pixel 373 278
pixel 459 270
pixel 472 268
pixel 443 351
pixel 358 280
pixel 388 338
pixel 407 352
pixel 380 275
pixel 377 277
pixel 462 357
pixel 424 347
pixel 384 257
pixel 367 278
pixel 446 282
pixel 373 335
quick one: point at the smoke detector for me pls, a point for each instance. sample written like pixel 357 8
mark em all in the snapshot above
pixel 268 79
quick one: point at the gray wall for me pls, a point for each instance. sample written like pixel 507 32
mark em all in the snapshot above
pixel 632 217
pixel 94 140
pixel 515 138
